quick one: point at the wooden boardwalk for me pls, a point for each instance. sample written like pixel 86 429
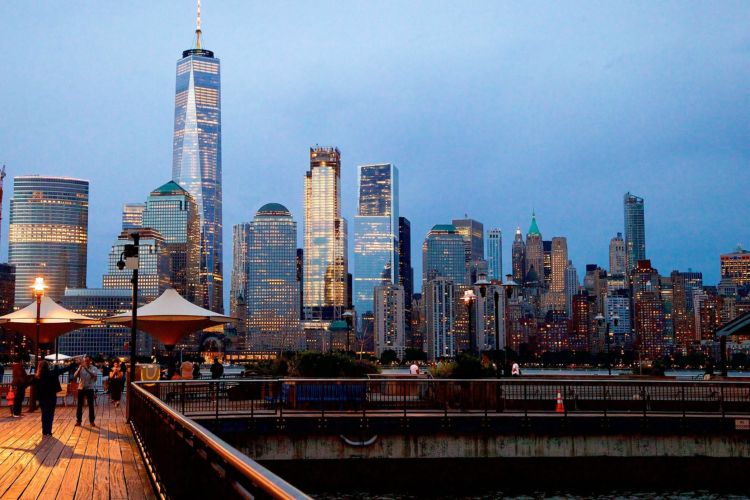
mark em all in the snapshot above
pixel 75 462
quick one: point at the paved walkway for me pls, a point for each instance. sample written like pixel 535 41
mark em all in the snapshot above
pixel 75 462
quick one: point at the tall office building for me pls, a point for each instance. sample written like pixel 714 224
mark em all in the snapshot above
pixel 405 270
pixel 238 284
pixel 153 265
pixel 560 261
pixel 495 254
pixel 518 257
pixel 534 253
pixel 132 215
pixel 683 287
pixel 376 231
pixel 443 255
pixel 172 212
pixel 389 319
pixel 272 288
pixel 48 234
pixel 736 265
pixel 571 287
pixel 325 257
pixel 196 160
pixel 617 255
pixel 649 324
pixel 618 303
pixel 440 314
pixel 635 231
pixel 472 233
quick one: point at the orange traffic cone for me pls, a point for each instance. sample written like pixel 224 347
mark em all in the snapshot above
pixel 560 408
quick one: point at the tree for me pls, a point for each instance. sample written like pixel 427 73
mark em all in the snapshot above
pixel 388 357
pixel 412 354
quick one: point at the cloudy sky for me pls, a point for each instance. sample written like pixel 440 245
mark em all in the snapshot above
pixel 491 109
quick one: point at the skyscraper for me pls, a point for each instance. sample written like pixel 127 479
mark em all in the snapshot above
pixel 534 253
pixel 443 255
pixel 325 256
pixel 153 264
pixel 48 234
pixel 389 319
pixel 736 265
pixel 238 286
pixel 617 255
pixel 635 231
pixel 375 233
pixel 472 232
pixel 571 287
pixel 405 270
pixel 559 263
pixel 196 160
pixel 495 254
pixel 132 215
pixel 518 258
pixel 440 314
pixel 272 288
pixel 172 212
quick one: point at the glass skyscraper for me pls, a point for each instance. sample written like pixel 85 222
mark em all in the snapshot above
pixel 172 212
pixel 153 264
pixel 443 255
pixel 325 255
pixel 635 231
pixel 375 233
pixel 495 254
pixel 272 295
pixel 49 219
pixel 472 232
pixel 132 215
pixel 196 160
pixel 238 286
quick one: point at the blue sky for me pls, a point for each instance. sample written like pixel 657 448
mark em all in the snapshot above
pixel 488 108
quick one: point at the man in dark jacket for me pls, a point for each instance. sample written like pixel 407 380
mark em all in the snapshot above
pixel 217 369
pixel 20 381
pixel 47 383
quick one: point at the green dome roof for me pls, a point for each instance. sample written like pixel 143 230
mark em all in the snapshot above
pixel 170 187
pixel 273 209
pixel 534 229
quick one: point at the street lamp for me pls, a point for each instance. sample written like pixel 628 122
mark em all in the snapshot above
pixel 129 260
pixel 469 299
pixel 509 286
pixel 348 315
pixel 38 290
pixel 600 321
pixel 482 283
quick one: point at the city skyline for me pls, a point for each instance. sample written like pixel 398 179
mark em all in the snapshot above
pixel 709 228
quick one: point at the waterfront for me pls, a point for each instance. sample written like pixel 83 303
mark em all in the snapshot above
pixel 552 495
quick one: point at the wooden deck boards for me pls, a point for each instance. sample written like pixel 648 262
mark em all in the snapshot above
pixel 76 462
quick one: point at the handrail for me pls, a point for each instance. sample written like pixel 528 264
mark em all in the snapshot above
pixel 267 480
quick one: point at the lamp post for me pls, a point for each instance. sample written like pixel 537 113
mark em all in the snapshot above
pixel 348 315
pixel 129 260
pixel 509 286
pixel 600 321
pixel 469 299
pixel 38 291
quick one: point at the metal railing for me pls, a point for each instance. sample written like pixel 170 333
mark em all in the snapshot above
pixel 415 396
pixel 187 461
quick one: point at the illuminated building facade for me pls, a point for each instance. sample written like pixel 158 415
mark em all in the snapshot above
pixel 48 234
pixel 649 325
pixel 635 231
pixel 617 256
pixel 238 286
pixel 736 265
pixel 472 232
pixel 534 254
pixel 376 233
pixel 7 288
pixel 172 212
pixel 389 320
pixel 132 215
pixel 325 253
pixel 109 340
pixel 196 158
pixel 272 295
pixel 495 254
pixel 443 255
pixel 153 265
pixel 438 295
pixel 518 258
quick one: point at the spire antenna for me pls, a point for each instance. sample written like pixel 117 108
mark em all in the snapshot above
pixel 198 27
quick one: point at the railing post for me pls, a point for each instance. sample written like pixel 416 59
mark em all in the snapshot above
pixel 721 404
pixel 182 396
pixel 683 403
pixel 404 387
pixel 218 391
pixel 525 402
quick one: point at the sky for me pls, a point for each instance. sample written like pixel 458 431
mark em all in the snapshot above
pixel 491 109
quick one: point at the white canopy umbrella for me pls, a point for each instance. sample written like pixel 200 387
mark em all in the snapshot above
pixel 57 356
pixel 170 317
pixel 54 320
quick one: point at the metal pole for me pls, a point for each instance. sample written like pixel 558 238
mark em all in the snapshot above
pixel 38 325
pixel 133 331
pixel 609 362
pixel 496 296
pixel 472 339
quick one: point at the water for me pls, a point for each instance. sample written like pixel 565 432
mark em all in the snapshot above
pixel 624 494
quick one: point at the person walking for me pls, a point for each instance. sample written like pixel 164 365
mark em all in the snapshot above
pixel 20 381
pixel 116 383
pixel 47 383
pixel 87 374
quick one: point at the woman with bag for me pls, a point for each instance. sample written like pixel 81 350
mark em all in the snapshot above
pixel 116 383
pixel 20 382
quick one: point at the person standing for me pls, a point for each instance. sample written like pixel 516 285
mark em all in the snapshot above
pixel 196 370
pixel 116 383
pixel 87 374
pixel 217 369
pixel 20 381
pixel 47 383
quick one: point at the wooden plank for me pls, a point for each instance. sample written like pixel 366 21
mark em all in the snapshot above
pixel 117 487
pixel 130 461
pixel 73 473
pixel 35 445
pixel 85 487
pixel 54 482
pixel 37 471
pixel 16 432
pixel 101 470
